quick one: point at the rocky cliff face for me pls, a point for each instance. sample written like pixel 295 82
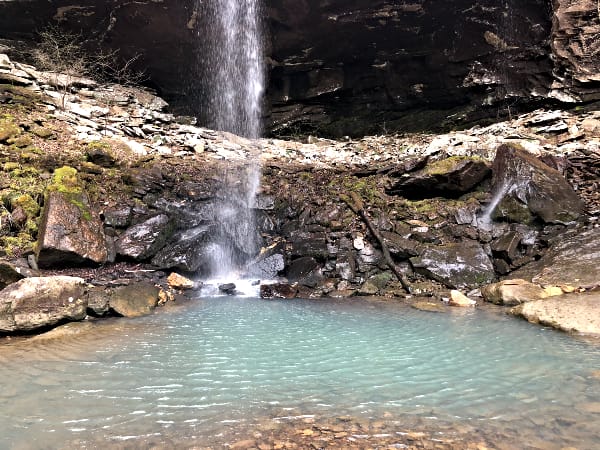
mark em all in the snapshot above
pixel 356 66
pixel 576 49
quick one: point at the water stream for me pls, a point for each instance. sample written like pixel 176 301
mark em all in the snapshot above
pixel 234 80
pixel 218 369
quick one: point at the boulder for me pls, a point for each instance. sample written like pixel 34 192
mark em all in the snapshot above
pixel 227 288
pixel 571 313
pixel 143 240
pixel 268 267
pixel 400 247
pixel 134 300
pixel 180 282
pixel 118 217
pixel 528 189
pixel 513 292
pixel 457 298
pixel 306 271
pixel 278 290
pixel 573 259
pixel 186 250
pixel 98 301
pixel 368 288
pixel 309 244
pixel 450 177
pixel 9 274
pixel 70 232
pixel 375 284
pixel 38 302
pixel 457 265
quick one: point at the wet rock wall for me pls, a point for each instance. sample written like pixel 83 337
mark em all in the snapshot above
pixel 357 67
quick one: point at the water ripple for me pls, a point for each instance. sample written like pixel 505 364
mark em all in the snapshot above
pixel 228 360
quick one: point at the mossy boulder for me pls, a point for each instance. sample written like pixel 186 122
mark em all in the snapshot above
pixel 25 212
pixel 450 178
pixel 70 232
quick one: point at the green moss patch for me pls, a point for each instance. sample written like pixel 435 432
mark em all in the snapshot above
pixel 445 166
pixel 65 180
pixel 8 128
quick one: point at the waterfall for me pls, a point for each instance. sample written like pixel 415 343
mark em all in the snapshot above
pixel 234 81
pixel 235 62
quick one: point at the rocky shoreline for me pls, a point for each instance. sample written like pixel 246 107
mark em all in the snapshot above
pixel 99 182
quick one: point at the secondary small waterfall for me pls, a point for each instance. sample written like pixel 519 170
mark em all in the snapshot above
pixel 234 80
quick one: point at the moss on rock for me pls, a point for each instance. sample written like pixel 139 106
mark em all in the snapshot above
pixel 65 180
pixel 8 128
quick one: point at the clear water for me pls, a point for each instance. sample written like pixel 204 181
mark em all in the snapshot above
pixel 200 373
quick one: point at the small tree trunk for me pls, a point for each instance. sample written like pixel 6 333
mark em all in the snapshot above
pixel 357 206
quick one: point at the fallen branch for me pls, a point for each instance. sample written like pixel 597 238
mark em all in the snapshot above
pixel 356 204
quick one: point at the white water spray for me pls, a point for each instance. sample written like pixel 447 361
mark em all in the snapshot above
pixel 484 221
pixel 235 84
pixel 235 61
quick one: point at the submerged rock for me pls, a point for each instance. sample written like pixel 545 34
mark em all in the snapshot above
pixel 39 302
pixel 530 189
pixel 457 265
pixel 429 306
pixel 67 331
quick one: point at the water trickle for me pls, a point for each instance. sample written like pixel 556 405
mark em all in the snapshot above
pixel 484 221
pixel 234 78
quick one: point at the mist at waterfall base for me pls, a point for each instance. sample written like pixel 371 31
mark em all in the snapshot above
pixel 233 77
pixel 217 370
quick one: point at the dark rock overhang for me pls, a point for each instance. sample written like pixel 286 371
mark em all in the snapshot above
pixel 356 66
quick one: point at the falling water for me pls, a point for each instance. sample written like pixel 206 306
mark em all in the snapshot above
pixel 484 221
pixel 235 60
pixel 235 84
